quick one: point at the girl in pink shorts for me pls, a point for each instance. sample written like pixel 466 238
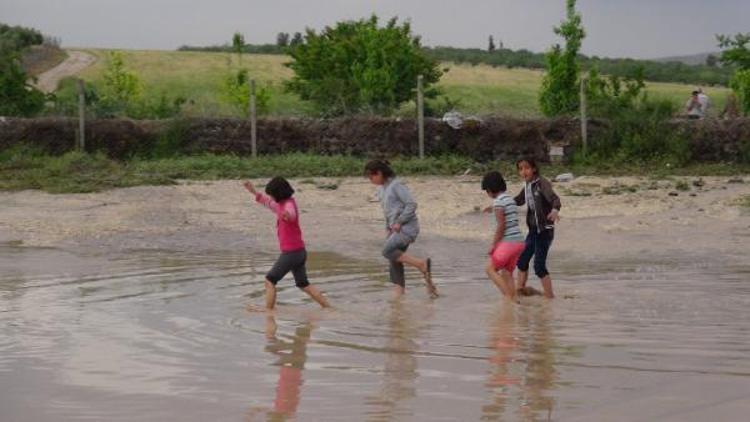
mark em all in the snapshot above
pixel 508 243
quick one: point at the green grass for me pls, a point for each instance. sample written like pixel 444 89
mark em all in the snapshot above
pixel 75 172
pixel 480 89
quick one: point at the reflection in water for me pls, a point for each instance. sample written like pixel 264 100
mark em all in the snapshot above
pixel 400 369
pixel 292 356
pixel 522 364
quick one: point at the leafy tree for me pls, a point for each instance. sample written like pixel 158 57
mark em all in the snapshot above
pixel 737 53
pixel 17 96
pixel 236 92
pixel 359 66
pixel 122 87
pixel 560 86
pixel 282 39
pixel 711 60
pixel 491 46
pixel 736 50
pixel 297 39
pixel 17 38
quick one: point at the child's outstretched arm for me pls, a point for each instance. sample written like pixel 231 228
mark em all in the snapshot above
pixel 261 198
pixel 552 198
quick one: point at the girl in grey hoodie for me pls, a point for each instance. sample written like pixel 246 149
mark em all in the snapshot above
pixel 402 226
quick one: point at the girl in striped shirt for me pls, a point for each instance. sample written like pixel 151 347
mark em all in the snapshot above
pixel 507 243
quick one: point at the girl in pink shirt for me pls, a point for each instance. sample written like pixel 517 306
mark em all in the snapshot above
pixel 293 254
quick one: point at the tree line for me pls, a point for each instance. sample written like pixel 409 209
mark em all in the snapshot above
pixel 711 73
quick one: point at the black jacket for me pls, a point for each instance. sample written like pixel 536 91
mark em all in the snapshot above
pixel 545 200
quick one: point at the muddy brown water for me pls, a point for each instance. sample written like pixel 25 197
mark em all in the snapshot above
pixel 165 335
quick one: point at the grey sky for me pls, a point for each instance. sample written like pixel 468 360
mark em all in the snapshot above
pixel 632 28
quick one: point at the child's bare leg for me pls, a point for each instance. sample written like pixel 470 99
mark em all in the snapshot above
pixel 508 279
pixel 523 277
pixel 270 295
pixel 503 281
pixel 420 264
pixel 547 285
pixel 270 326
pixel 317 296
pixel 398 291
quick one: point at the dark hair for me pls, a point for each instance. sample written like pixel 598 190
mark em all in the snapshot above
pixel 279 189
pixel 531 162
pixel 695 93
pixel 494 182
pixel 379 166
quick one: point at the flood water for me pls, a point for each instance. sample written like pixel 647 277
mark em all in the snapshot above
pixel 165 335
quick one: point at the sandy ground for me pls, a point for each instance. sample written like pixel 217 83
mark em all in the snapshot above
pixel 76 62
pixel 646 224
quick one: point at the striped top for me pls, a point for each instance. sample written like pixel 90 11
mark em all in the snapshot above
pixel 507 204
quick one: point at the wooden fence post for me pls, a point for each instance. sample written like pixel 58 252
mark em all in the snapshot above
pixel 584 116
pixel 81 144
pixel 253 121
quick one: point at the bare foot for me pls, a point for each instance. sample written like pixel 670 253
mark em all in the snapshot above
pixel 431 288
pixel 253 308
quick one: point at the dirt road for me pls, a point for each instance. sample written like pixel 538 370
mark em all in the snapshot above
pixel 76 62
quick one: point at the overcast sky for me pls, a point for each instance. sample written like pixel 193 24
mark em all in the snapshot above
pixel 622 28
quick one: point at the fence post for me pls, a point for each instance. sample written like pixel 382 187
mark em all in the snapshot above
pixel 81 144
pixel 584 116
pixel 420 114
pixel 253 121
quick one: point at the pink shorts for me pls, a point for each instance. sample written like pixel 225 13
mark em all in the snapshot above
pixel 505 255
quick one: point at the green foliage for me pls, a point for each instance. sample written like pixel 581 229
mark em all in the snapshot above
pixel 121 87
pixel 560 86
pixel 678 72
pixel 17 38
pixel 736 50
pixel 17 96
pixel 358 66
pixel 741 86
pixel 737 53
pixel 171 141
pixel 636 127
pixel 235 90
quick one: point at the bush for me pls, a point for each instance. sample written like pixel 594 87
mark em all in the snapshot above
pixel 235 91
pixel 636 127
pixel 17 96
pixel 358 66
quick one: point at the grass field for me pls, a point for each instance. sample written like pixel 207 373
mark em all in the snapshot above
pixel 479 89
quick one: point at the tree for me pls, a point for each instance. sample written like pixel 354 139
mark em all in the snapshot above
pixel 282 39
pixel 17 96
pixel 711 60
pixel 296 40
pixel 560 86
pixel 359 66
pixel 121 88
pixel 736 50
pixel 238 44
pixel 491 47
pixel 737 53
pixel 236 92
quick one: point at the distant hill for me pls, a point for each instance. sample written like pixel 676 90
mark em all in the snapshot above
pixel 691 60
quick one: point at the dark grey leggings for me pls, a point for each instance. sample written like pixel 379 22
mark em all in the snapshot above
pixel 290 261
pixel 395 246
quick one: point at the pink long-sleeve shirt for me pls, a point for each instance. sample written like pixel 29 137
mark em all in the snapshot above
pixel 287 222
